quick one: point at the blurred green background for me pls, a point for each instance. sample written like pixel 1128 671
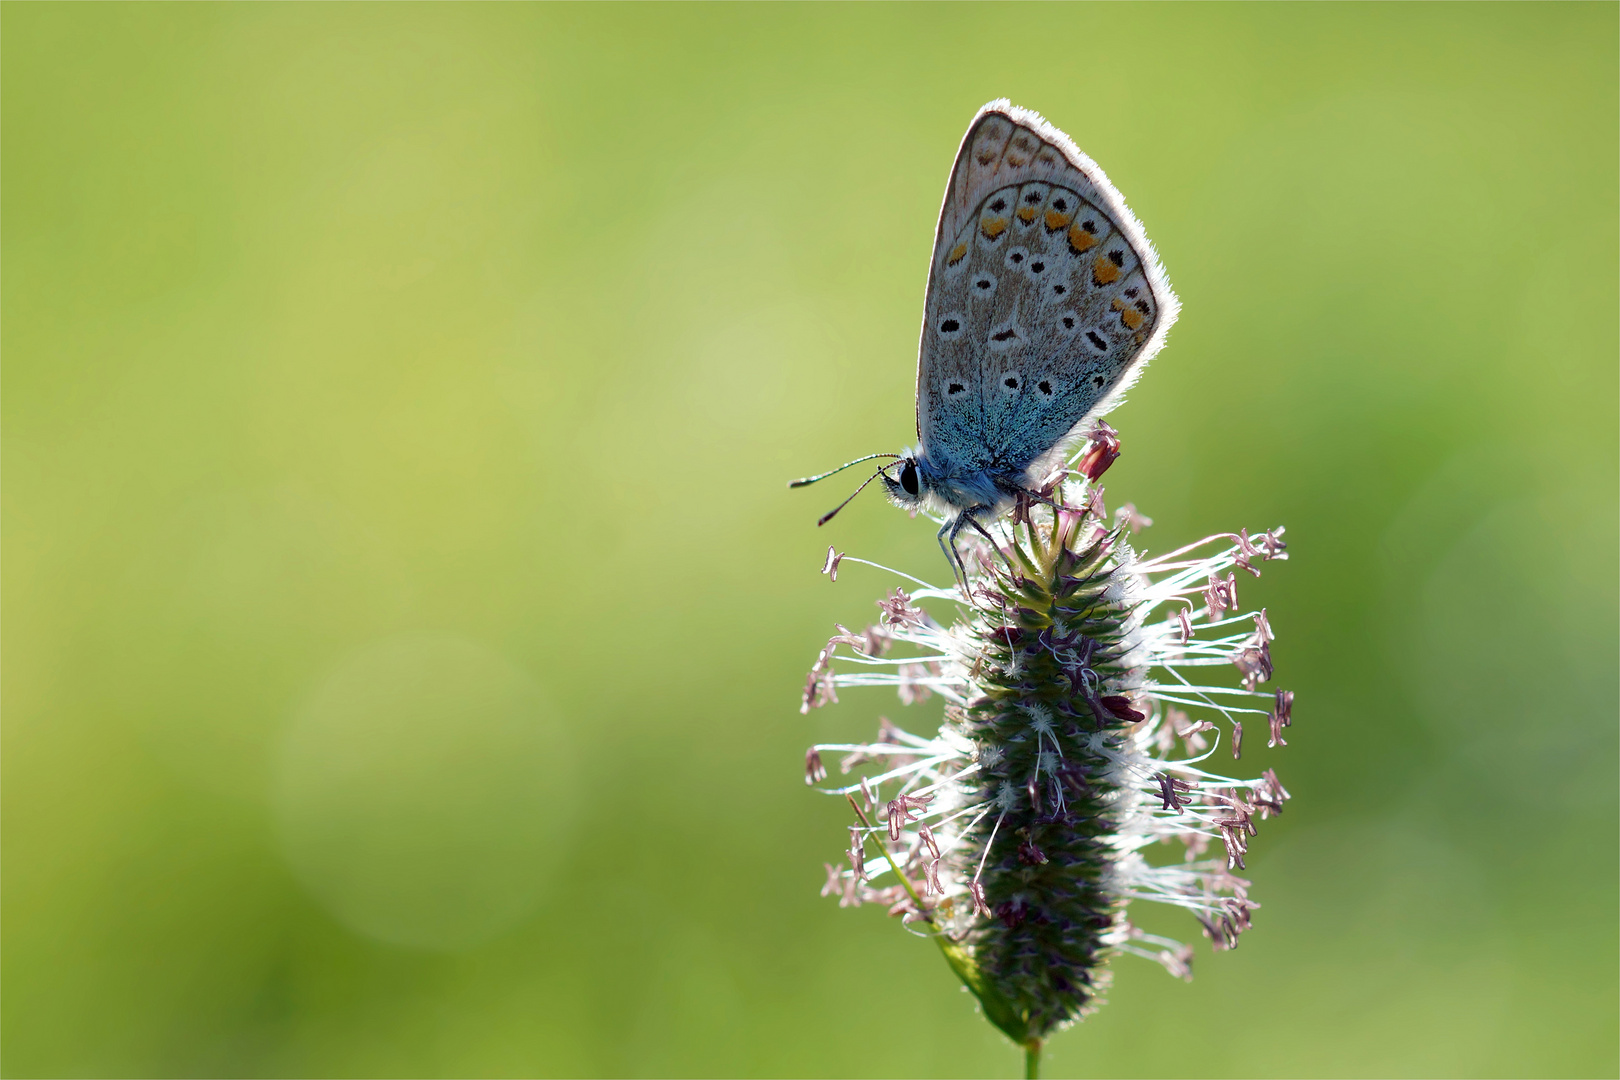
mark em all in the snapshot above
pixel 405 614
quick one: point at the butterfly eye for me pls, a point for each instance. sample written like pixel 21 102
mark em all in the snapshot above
pixel 908 478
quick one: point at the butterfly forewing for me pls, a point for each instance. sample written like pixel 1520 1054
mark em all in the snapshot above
pixel 1044 298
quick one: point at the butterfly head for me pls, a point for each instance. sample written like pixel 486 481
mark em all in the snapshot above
pixel 906 484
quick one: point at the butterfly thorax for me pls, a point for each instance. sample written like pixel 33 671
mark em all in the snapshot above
pixel 942 487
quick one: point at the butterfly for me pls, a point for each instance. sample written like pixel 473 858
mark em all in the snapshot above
pixel 1045 300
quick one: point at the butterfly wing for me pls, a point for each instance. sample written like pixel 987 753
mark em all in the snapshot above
pixel 1044 302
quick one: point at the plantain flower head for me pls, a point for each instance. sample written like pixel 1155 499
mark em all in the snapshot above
pixel 1095 700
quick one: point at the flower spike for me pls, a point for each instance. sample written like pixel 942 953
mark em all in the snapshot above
pixel 1079 724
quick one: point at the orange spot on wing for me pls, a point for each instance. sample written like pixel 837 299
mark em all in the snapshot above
pixel 993 227
pixel 1026 214
pixel 956 254
pixel 1056 221
pixel 1127 315
pixel 1103 271
pixel 1080 240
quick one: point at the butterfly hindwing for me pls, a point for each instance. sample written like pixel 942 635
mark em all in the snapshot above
pixel 1044 299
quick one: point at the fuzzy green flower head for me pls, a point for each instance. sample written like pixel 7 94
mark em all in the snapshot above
pixel 1087 690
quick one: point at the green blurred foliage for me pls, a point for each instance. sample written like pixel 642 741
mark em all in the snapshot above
pixel 405 613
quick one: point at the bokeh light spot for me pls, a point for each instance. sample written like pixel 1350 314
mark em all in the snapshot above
pixel 422 793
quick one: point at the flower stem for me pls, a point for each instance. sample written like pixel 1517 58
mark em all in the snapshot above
pixel 1032 1059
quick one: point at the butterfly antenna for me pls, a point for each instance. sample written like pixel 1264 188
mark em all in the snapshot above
pixel 841 468
pixel 828 516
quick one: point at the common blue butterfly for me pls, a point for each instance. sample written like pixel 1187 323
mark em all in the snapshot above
pixel 1045 299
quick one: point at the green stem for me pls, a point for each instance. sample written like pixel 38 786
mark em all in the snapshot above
pixel 1032 1059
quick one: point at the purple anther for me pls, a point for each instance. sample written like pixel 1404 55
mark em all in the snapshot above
pixel 813 769
pixel 1171 792
pixel 1215 602
pixel 1246 552
pixel 1184 621
pixel 931 884
pixel 910 804
pixel 927 836
pixel 1236 845
pixel 899 812
pixel 1124 708
pixel 834 557
pixel 1262 627
pixel 1255 664
pixel 857 852
pixel 1030 855
pixel 835 880
pixel 1103 451
pixel 897 610
pixel 1237 739
pixel 1021 506
pixel 1281 717
pixel 1279 794
pixel 980 905
pixel 818 689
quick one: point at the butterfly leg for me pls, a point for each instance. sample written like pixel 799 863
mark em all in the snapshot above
pixel 947 541
pixel 947 544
